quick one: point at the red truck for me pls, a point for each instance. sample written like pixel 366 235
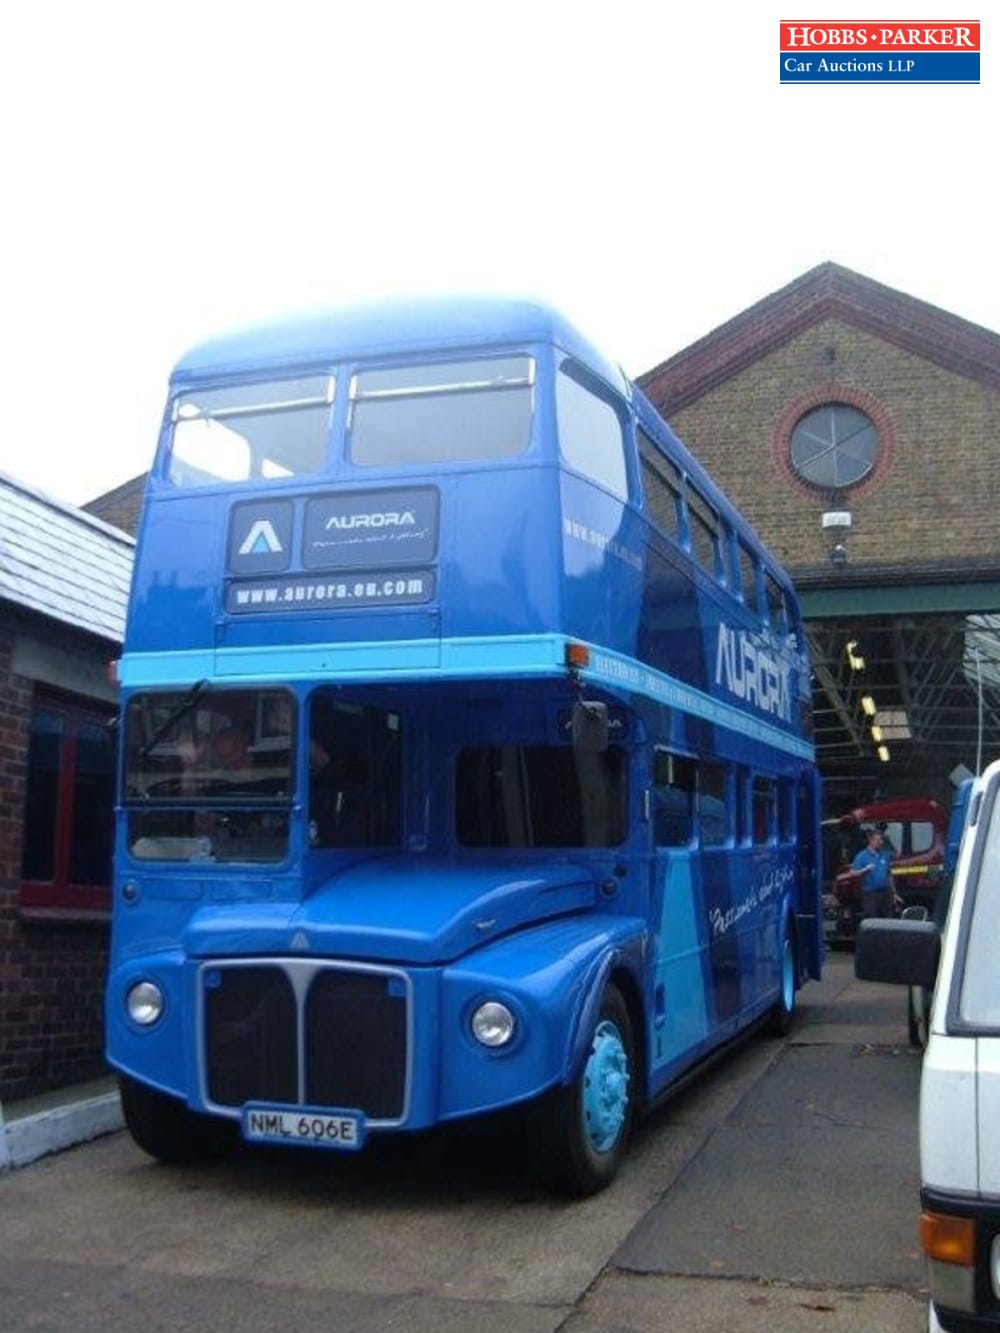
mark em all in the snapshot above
pixel 915 830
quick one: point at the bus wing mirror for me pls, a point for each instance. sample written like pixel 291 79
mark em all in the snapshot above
pixel 590 726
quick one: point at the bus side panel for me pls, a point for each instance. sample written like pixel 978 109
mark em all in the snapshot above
pixel 178 568
pixel 603 561
pixel 501 563
pixel 669 632
pixel 809 876
pixel 717 919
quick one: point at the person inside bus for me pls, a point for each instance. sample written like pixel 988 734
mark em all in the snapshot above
pixel 231 749
pixel 339 798
pixel 873 864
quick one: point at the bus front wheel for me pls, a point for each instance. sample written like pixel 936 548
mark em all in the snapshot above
pixel 164 1127
pixel 580 1130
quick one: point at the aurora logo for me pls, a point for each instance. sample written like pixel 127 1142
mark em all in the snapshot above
pixel 261 539
pixel 752 673
pixel 343 522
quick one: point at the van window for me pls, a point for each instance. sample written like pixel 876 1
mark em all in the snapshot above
pixel 979 1000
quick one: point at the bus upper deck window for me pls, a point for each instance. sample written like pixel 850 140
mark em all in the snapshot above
pixel 663 485
pixel 747 576
pixel 591 437
pixel 703 529
pixel 443 412
pixel 776 611
pixel 246 432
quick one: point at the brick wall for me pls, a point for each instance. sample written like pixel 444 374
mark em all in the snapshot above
pixel 931 499
pixel 121 507
pixel 51 972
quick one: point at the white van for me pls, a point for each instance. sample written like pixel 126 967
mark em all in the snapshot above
pixel 960 1087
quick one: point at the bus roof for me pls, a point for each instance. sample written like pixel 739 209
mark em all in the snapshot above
pixel 393 328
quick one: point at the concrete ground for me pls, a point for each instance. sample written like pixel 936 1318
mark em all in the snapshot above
pixel 778 1193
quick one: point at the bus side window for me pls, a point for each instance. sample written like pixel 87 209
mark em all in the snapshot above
pixel 703 530
pixel 713 809
pixel 674 783
pixel 786 812
pixel 748 578
pixel 661 482
pixel 763 809
pixel 741 796
pixel 591 436
pixel 776 612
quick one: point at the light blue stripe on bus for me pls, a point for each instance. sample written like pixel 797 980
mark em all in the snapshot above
pixel 514 655
pixel 679 964
pixel 451 659
pixel 617 671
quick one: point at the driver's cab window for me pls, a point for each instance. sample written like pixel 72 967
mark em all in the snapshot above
pixel 354 774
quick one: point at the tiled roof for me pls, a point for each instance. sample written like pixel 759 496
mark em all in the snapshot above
pixel 62 563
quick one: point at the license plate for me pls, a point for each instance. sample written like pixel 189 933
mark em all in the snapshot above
pixel 300 1125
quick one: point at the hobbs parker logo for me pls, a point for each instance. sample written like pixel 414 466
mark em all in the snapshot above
pixel 889 51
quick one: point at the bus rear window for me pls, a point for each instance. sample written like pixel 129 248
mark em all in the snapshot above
pixel 540 796
pixel 442 413
pixel 262 432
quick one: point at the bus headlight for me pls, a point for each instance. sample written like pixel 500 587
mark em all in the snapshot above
pixel 144 1003
pixel 493 1024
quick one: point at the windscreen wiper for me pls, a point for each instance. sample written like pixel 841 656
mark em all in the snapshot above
pixel 181 711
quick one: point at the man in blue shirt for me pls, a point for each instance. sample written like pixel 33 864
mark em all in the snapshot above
pixel 872 863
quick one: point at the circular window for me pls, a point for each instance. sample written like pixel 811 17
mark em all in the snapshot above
pixel 834 446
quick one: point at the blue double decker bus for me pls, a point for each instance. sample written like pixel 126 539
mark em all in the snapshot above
pixel 465 754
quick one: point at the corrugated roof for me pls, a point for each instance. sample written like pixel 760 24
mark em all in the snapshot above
pixel 61 562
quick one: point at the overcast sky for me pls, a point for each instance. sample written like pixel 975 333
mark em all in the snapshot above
pixel 175 169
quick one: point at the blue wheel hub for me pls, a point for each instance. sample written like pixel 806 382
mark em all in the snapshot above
pixel 606 1087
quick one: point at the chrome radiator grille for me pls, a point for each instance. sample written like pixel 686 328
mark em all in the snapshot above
pixel 299 1033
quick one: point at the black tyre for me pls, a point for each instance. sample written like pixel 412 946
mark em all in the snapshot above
pixel 916 1016
pixel 579 1132
pixel 783 1013
pixel 167 1130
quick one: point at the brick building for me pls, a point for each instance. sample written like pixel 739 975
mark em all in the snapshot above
pixel 63 587
pixel 859 429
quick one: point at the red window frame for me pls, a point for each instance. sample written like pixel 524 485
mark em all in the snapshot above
pixel 59 895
